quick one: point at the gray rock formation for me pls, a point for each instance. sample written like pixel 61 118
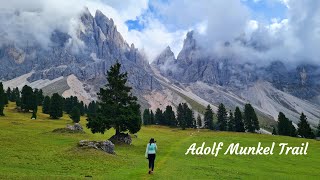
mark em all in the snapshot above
pixel 97 46
pixel 121 139
pixel 75 127
pixel 106 146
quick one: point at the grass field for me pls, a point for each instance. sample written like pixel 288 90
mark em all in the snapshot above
pixel 30 150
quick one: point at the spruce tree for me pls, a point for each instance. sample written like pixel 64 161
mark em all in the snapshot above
pixel 40 97
pixel 146 117
pixel 35 106
pixel 2 99
pixel 56 106
pixel 304 129
pixel 152 121
pixel 159 117
pixel 318 130
pixel 92 109
pixel 222 117
pixel 46 105
pixel 6 99
pixel 9 94
pixel 284 127
pixel 15 95
pixel 117 106
pixel 169 116
pixel 231 122
pixel 208 118
pixel 75 114
pixel 181 117
pixel 250 119
pixel 199 121
pixel 189 117
pixel 81 108
pixel 239 126
pixel 274 132
pixel 27 98
pixel 293 130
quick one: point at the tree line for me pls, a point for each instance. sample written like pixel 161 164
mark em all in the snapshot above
pixel 286 128
pixel 28 99
pixel 184 118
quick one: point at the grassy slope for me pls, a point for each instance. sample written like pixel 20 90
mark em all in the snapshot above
pixel 29 150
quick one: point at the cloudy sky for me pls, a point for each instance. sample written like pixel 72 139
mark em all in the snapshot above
pixel 288 29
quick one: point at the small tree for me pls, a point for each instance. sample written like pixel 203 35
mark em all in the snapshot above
pixel 208 118
pixel 117 106
pixel 146 117
pixel 159 117
pixel 304 129
pixel 27 98
pixel 181 117
pixel 2 99
pixel 152 121
pixel 199 121
pixel 274 132
pixel 231 122
pixel 222 117
pixel 250 119
pixel 318 129
pixel 75 114
pixel 46 105
pixel 169 117
pixel 239 126
pixel 56 106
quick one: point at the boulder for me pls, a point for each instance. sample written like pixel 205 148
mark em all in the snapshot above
pixel 106 146
pixel 75 127
pixel 121 139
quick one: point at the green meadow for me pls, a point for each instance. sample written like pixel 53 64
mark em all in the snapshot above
pixel 30 150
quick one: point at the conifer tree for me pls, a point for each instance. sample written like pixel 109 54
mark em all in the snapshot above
pixel 208 118
pixel 46 105
pixel 117 106
pixel 56 106
pixel 152 121
pixel 27 98
pixel 318 130
pixel 159 117
pixel 81 108
pixel 250 119
pixel 2 99
pixel 222 118
pixel 35 106
pixel 304 129
pixel 169 116
pixel 9 94
pixel 284 127
pixel 92 109
pixel 189 117
pixel 239 126
pixel 181 117
pixel 231 122
pixel 6 99
pixel 274 132
pixel 146 117
pixel 75 114
pixel 199 121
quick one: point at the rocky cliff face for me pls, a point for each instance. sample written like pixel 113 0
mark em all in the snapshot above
pixel 269 88
pixel 98 45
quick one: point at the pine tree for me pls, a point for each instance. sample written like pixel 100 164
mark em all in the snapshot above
pixel 169 116
pixel 274 132
pixel 6 99
pixel 222 118
pixel 318 130
pixel 208 118
pixel 239 126
pixel 284 127
pixel 81 108
pixel 293 130
pixel 27 98
pixel 304 129
pixel 92 109
pixel 199 121
pixel 35 106
pixel 56 106
pixel 159 116
pixel 2 99
pixel 189 117
pixel 152 121
pixel 9 94
pixel 117 107
pixel 231 122
pixel 181 117
pixel 250 119
pixel 15 95
pixel 46 105
pixel 75 114
pixel 146 117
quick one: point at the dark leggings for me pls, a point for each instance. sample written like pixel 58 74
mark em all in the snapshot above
pixel 151 158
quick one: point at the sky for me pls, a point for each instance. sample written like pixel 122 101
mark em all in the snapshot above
pixel 287 29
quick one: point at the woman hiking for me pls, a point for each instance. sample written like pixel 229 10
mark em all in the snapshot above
pixel 151 154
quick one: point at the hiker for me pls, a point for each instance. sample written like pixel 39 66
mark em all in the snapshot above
pixel 151 154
